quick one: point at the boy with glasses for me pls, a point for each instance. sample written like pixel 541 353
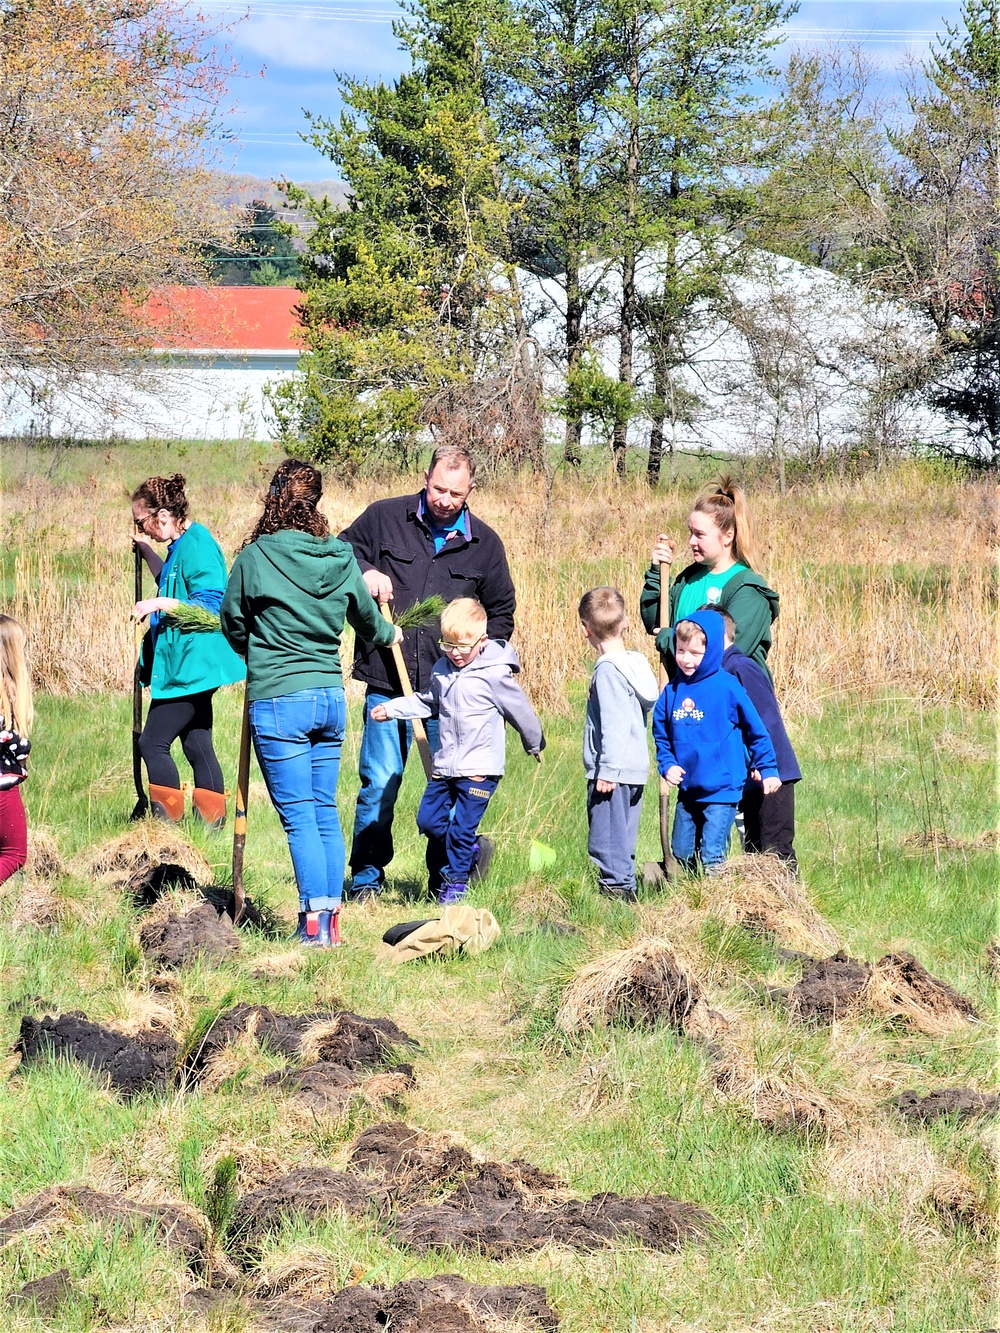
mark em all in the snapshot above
pixel 472 693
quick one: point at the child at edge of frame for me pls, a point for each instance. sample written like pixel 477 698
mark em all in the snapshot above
pixel 622 693
pixel 473 693
pixel 768 820
pixel 16 715
pixel 704 725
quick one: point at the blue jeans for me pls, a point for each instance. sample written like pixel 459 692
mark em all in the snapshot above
pixel 701 832
pixel 449 816
pixel 297 739
pixel 384 747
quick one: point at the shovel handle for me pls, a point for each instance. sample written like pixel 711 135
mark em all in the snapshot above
pixel 419 732
pixel 240 818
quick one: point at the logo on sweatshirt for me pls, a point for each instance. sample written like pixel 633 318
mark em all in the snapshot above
pixel 688 712
pixel 713 595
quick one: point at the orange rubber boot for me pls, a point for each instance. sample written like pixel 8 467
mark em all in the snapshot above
pixel 209 807
pixel 167 803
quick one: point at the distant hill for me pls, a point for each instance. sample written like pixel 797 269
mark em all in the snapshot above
pixel 237 190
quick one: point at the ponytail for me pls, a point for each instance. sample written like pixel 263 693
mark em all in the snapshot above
pixel 291 502
pixel 15 679
pixel 726 504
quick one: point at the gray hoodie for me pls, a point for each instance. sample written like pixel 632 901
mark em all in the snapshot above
pixel 472 703
pixel 622 691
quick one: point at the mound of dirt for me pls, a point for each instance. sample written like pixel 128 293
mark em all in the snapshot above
pixel 176 939
pixel 494 1216
pixel 44 860
pixel 46 1294
pixel 443 1304
pixel 131 1065
pixel 410 1161
pixel 828 989
pixel 70 1202
pixel 147 844
pixel 324 1087
pixel 343 1038
pixel 353 1041
pixel 900 987
pixel 639 986
pixel 757 891
pixel 149 883
pixel 961 1102
pixel 310 1192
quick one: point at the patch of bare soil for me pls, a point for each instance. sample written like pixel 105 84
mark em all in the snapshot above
pixel 148 884
pixel 828 990
pixel 71 1202
pixel 328 1088
pixel 443 1304
pixel 45 1294
pixel 310 1192
pixel 177 939
pixel 900 987
pixel 961 1102
pixel 131 1065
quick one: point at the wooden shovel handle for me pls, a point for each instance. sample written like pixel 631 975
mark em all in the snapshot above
pixel 240 817
pixel 419 732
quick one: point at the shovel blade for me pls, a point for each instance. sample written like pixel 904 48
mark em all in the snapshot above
pixel 654 875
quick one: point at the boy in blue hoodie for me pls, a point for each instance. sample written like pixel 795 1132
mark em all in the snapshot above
pixel 769 821
pixel 703 726
pixel 615 746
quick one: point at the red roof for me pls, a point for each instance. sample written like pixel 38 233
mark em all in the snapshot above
pixel 236 319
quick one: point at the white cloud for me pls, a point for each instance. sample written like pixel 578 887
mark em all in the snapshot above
pixel 329 44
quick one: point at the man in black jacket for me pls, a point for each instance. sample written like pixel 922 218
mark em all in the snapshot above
pixel 409 548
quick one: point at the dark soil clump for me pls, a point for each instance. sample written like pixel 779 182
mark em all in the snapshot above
pixel 177 1230
pixel 130 1065
pixel 46 1294
pixel 443 1304
pixel 150 882
pixel 961 1102
pixel 310 1191
pixel 178 939
pixel 323 1086
pixel 907 986
pixel 828 989
pixel 496 1219
pixel 410 1161
pixel 353 1042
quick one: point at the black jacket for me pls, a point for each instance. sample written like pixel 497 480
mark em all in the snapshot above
pixel 390 537
pixel 757 684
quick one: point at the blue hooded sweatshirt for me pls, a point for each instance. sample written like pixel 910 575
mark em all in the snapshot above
pixel 706 723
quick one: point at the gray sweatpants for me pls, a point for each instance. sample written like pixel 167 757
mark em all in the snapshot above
pixel 614 831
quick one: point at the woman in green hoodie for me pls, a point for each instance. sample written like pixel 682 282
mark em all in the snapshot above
pixel 290 591
pixel 722 574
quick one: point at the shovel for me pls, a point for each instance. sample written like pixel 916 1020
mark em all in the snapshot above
pixel 240 818
pixel 141 808
pixel 419 733
pixel 656 874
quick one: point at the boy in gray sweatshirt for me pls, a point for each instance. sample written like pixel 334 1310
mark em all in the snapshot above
pixel 472 692
pixel 615 752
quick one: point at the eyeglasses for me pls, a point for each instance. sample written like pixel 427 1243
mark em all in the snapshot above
pixel 146 518
pixel 447 646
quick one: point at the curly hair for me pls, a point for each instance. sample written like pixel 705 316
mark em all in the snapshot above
pixel 725 503
pixel 291 502
pixel 167 493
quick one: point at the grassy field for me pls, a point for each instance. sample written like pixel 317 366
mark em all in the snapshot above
pixel 855 1221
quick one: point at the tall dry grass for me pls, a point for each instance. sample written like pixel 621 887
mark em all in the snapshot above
pixel 887 582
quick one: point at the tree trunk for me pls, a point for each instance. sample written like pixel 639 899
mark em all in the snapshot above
pixel 574 294
pixel 619 438
pixel 655 449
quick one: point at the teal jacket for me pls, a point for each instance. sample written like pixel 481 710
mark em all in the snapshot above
pixel 746 596
pixel 174 663
pixel 288 597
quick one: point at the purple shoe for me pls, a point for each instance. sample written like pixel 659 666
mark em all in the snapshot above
pixel 450 893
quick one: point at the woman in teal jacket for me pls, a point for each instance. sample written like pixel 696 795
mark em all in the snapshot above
pixel 183 671
pixel 722 574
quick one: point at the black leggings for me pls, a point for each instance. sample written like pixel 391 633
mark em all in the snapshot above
pixel 190 718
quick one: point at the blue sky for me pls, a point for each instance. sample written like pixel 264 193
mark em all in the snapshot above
pixel 288 51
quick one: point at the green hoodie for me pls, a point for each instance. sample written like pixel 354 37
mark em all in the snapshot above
pixel 286 602
pixel 746 596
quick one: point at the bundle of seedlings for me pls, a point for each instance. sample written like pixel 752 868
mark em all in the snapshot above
pixel 758 892
pixel 640 986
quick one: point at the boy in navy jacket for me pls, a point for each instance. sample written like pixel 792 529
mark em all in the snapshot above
pixel 703 725
pixel 769 821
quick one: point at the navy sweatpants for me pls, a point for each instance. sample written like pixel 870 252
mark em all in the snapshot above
pixel 449 817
